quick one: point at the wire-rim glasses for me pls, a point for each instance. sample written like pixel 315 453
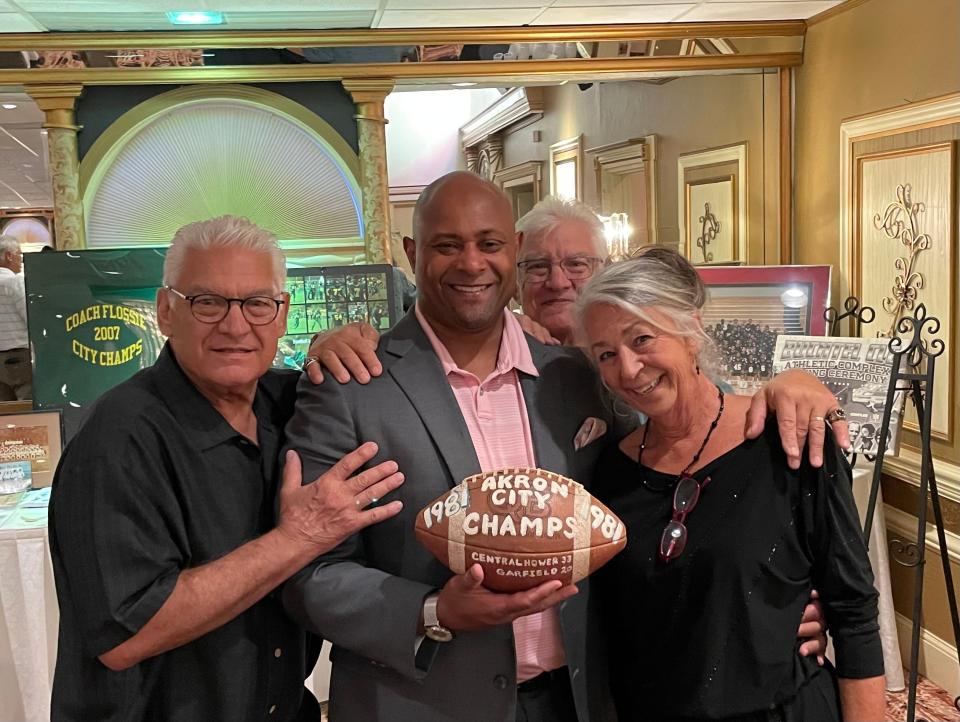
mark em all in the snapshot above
pixel 213 308
pixel 575 268
pixel 685 497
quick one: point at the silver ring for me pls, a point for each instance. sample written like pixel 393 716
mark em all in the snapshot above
pixel 836 414
pixel 374 499
pixel 310 360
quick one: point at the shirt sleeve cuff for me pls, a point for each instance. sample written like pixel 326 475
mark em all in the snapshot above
pixel 129 621
pixel 859 655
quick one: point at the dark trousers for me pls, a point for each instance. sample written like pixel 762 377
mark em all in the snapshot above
pixel 546 698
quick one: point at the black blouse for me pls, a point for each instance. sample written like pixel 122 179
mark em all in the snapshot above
pixel 712 633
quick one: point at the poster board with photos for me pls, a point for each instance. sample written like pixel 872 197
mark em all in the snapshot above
pixel 328 297
pixel 857 371
pixel 35 438
pixel 92 322
pixel 749 306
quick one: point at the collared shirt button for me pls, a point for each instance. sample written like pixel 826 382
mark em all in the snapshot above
pixel 500 681
pixel 277 652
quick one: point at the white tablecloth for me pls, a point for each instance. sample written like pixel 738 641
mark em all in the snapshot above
pixel 28 618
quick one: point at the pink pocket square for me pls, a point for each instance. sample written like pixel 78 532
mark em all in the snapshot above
pixel 591 430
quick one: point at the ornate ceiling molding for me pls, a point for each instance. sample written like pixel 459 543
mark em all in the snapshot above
pixel 507 73
pixel 511 108
pixel 397 36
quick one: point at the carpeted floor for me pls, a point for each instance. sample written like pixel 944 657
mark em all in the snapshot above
pixel 933 705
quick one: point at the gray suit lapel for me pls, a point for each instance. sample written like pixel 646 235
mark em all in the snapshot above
pixel 420 376
pixel 542 405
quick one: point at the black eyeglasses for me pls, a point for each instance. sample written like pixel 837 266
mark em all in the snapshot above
pixel 685 497
pixel 575 268
pixel 213 308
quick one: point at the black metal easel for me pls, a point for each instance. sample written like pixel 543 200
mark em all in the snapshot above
pixel 914 361
pixel 852 310
pixel 861 315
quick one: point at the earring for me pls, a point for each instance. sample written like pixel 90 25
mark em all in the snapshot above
pixel 698 369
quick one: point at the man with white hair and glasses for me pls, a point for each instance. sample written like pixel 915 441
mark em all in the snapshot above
pixel 563 246
pixel 166 541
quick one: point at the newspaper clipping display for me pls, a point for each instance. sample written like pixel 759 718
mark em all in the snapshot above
pixel 857 371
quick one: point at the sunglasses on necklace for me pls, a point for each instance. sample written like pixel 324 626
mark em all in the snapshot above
pixel 685 497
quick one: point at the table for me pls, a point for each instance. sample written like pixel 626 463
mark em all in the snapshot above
pixel 28 616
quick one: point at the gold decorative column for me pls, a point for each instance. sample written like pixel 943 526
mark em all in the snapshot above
pixel 368 95
pixel 57 103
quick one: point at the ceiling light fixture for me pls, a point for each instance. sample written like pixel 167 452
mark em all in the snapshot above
pixel 195 17
pixel 463 85
pixel 9 106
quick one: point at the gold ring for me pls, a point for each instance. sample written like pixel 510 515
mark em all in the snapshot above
pixel 836 414
pixel 817 418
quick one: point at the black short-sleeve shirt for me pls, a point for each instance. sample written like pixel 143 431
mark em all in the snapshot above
pixel 156 482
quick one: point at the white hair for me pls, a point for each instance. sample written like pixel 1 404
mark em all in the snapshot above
pixel 551 212
pixel 8 244
pixel 225 233
pixel 657 278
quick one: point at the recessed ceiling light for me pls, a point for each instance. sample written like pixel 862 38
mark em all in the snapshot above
pixel 9 106
pixel 463 85
pixel 195 17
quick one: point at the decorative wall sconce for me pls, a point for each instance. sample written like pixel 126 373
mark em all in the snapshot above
pixel 617 230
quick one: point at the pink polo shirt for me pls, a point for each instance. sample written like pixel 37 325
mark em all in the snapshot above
pixel 496 416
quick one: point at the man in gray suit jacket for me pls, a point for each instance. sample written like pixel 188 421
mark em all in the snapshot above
pixel 386 604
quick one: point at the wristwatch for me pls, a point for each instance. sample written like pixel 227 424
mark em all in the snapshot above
pixel 431 625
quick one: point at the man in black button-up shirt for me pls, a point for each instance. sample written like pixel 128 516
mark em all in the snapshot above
pixel 165 546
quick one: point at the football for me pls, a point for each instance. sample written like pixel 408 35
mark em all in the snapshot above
pixel 523 526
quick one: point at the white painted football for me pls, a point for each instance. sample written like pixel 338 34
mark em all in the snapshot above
pixel 523 526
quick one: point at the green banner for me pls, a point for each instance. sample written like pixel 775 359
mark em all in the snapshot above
pixel 92 323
